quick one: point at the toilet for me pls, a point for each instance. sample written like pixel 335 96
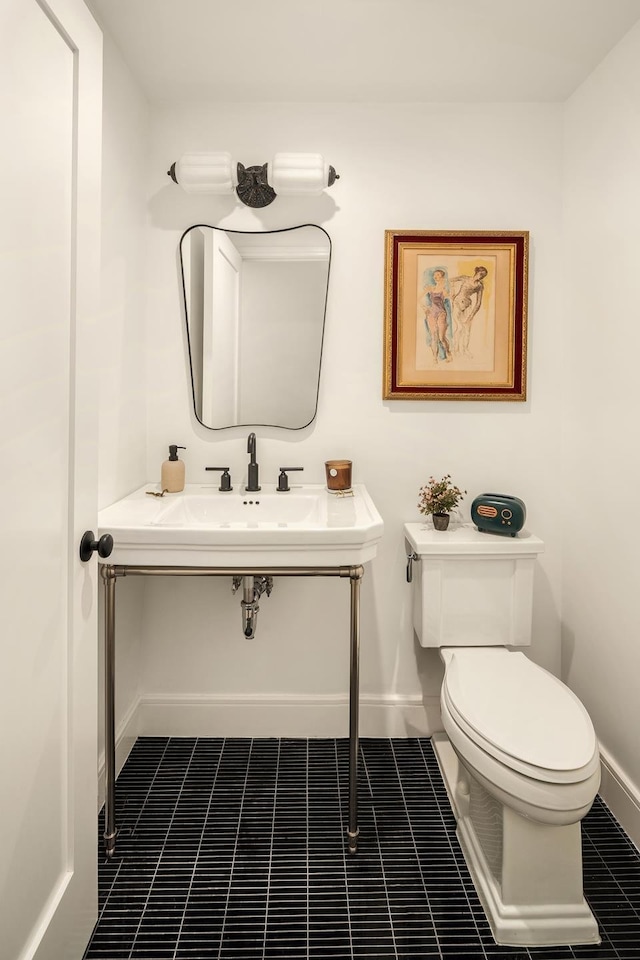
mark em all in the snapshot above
pixel 518 752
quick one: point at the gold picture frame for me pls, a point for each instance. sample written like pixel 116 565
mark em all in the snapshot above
pixel 455 315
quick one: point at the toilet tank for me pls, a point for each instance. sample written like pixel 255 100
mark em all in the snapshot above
pixel 471 589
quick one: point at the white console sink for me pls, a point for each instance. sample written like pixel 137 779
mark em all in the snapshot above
pixel 202 527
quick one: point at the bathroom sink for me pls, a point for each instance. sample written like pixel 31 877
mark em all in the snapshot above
pixel 306 527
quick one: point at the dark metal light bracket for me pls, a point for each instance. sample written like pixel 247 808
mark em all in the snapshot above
pixel 253 187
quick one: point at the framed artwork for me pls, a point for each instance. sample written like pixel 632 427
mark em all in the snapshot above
pixel 455 315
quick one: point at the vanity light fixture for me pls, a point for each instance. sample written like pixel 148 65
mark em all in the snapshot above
pixel 288 174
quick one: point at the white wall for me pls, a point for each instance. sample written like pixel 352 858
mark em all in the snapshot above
pixel 601 346
pixel 403 167
pixel 121 381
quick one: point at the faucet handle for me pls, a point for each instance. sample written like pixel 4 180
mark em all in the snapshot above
pixel 225 479
pixel 283 479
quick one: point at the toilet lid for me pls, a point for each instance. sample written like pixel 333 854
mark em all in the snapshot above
pixel 516 707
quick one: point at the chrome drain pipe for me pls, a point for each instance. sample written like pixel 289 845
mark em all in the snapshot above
pixel 250 607
pixel 252 590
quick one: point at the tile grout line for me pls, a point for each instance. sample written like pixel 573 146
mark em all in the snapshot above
pixel 377 836
pixel 235 849
pixel 306 794
pixel 150 788
pixel 164 843
pixel 344 854
pixel 197 857
pixel 415 847
pixel 619 887
pixel 273 832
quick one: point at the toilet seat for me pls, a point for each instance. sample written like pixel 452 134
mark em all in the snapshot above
pixel 539 800
pixel 519 714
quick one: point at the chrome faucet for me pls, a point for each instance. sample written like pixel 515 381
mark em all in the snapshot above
pixel 252 473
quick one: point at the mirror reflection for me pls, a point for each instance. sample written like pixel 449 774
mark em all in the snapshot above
pixel 255 307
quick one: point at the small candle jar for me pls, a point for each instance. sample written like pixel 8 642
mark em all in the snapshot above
pixel 338 475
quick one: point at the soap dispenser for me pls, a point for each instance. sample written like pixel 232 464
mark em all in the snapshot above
pixel 172 473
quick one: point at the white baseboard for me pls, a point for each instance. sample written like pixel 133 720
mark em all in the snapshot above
pixel 266 715
pixel 620 795
pixel 282 715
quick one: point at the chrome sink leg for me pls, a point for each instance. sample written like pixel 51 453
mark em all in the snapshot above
pixel 108 574
pixel 355 575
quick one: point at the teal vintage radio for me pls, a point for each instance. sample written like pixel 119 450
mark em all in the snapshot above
pixel 498 513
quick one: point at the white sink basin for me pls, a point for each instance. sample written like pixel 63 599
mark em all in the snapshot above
pixel 306 527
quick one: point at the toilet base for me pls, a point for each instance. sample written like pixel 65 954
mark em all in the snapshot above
pixel 518 865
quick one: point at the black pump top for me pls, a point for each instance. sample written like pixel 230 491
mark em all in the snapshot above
pixel 173 451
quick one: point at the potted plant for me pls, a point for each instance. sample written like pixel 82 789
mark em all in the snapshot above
pixel 438 498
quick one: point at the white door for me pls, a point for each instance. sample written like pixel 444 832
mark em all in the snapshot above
pixel 50 117
pixel 222 275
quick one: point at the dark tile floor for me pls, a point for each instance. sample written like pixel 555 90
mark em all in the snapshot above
pixel 236 849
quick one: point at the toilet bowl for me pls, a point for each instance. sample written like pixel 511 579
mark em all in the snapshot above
pixel 520 731
pixel 518 751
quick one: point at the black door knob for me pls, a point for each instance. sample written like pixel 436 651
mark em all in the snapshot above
pixel 88 544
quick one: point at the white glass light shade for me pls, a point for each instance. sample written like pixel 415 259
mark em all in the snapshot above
pixel 206 173
pixel 295 174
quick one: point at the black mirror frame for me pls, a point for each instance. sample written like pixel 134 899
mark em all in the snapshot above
pixel 196 226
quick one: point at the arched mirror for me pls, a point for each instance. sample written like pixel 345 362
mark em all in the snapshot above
pixel 255 306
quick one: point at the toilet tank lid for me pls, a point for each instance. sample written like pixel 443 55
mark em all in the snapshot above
pixel 519 708
pixel 466 540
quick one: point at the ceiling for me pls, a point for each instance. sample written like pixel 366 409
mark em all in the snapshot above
pixel 363 50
